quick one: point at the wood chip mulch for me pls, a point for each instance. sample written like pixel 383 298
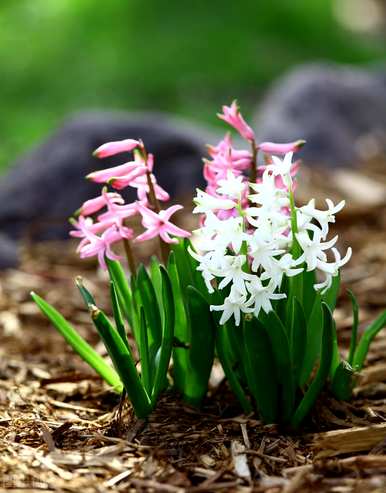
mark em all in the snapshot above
pixel 63 430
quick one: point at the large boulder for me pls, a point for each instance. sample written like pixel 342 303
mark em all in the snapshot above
pixel 339 110
pixel 47 185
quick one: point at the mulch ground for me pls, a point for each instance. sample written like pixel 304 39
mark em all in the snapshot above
pixel 62 429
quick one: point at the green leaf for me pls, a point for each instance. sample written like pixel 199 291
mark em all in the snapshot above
pixel 184 267
pixel 181 371
pixel 260 369
pixel 201 352
pixel 123 363
pixel 314 340
pixel 156 279
pixel 79 345
pixel 281 353
pixel 223 348
pixel 355 323
pixel 86 295
pixel 336 359
pixel 167 336
pixel 317 384
pixel 309 293
pixel 118 277
pixel 146 373
pixel 119 323
pixel 366 339
pixel 343 381
pixel 148 299
pixel 331 296
pixel 298 335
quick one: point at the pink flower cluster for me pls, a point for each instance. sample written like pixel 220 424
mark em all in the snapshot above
pixel 226 160
pixel 98 235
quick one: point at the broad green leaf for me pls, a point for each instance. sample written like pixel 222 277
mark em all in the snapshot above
pixel 148 299
pixel 331 296
pixel 314 340
pixel 318 382
pixel 146 372
pixel 343 381
pixel 118 277
pixel 156 279
pixel 309 293
pixel 354 330
pixel 366 339
pixel 282 357
pixel 298 336
pixel 79 345
pixel 259 363
pixel 201 351
pixel 336 359
pixel 123 363
pixel 182 259
pixel 135 303
pixel 119 322
pixel 198 280
pixel 224 354
pixel 181 371
pixel 167 336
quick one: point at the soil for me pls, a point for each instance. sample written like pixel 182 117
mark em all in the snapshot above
pixel 63 430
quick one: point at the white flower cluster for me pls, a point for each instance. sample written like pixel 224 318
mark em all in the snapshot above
pixel 250 252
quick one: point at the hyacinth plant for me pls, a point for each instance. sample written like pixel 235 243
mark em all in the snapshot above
pixel 256 285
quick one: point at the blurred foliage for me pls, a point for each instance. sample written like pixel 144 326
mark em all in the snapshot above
pixel 61 56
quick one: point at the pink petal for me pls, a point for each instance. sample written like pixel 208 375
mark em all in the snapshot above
pixel 107 174
pixel 273 148
pixel 148 235
pixel 175 230
pixel 126 180
pixel 116 147
pixel 166 238
pixel 167 213
pixel 147 214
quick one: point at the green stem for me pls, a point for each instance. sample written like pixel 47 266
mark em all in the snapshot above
pixel 153 201
pixel 253 175
pixel 129 256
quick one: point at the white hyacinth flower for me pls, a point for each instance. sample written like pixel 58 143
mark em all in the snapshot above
pixel 261 296
pixel 323 217
pixel 233 306
pixel 248 248
pixel 282 167
pixel 232 272
pixel 205 203
pixel 232 186
pixel 286 265
pixel 314 249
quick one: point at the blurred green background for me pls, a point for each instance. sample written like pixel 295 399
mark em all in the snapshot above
pixel 61 56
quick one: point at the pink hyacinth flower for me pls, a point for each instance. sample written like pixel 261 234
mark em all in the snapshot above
pixel 273 148
pixel 127 180
pixel 87 230
pixel 142 187
pixel 158 224
pixel 231 114
pixel 100 246
pixel 116 147
pixel 94 205
pixel 118 213
pixel 105 175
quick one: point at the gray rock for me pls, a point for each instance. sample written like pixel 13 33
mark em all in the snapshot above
pixel 47 185
pixel 339 110
pixel 9 255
